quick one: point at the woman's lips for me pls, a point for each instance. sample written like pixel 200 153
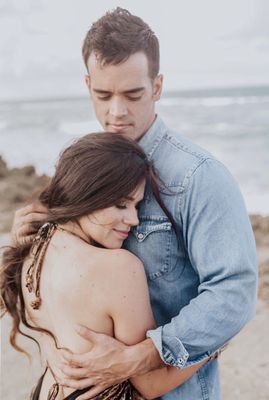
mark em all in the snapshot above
pixel 121 234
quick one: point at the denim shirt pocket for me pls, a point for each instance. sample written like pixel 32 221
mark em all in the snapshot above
pixel 153 241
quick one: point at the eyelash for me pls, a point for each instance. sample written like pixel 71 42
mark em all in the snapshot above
pixel 104 98
pixel 134 98
pixel 123 206
pixel 128 98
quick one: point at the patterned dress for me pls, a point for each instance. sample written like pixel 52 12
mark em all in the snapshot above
pixel 121 391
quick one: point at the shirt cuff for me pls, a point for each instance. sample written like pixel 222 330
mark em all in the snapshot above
pixel 170 348
pixel 173 352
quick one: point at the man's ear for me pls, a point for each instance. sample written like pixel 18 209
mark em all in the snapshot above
pixel 157 87
pixel 88 81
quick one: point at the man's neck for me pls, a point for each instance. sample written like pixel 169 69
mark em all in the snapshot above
pixel 150 125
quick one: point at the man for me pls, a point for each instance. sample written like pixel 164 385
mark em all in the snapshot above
pixel 202 272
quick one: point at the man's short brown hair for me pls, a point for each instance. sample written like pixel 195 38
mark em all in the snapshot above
pixel 119 34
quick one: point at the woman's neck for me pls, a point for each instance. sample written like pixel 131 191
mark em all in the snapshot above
pixel 75 229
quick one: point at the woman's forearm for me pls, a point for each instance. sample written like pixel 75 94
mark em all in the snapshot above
pixel 160 381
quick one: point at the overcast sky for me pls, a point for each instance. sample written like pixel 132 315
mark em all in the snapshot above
pixel 204 43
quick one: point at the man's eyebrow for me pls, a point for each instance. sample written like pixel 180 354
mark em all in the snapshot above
pixel 100 91
pixel 129 91
pixel 135 90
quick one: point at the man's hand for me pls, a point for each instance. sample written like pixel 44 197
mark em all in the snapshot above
pixel 100 368
pixel 107 363
pixel 22 228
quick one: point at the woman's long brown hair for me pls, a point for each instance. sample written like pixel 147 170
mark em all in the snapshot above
pixel 95 172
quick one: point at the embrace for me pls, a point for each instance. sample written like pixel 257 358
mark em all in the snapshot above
pixel 138 263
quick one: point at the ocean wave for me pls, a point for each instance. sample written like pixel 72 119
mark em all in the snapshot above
pixel 237 137
pixel 80 128
pixel 213 101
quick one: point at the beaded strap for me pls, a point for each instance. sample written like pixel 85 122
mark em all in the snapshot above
pixel 53 392
pixel 40 244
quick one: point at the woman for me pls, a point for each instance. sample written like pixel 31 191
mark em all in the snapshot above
pixel 75 271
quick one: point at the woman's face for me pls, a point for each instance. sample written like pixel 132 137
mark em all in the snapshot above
pixel 110 227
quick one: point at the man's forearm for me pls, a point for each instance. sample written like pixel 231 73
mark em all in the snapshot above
pixel 143 357
pixel 108 362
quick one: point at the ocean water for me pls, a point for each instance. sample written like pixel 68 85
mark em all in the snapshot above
pixel 233 124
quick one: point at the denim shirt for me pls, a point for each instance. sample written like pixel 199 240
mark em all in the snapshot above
pixel 202 273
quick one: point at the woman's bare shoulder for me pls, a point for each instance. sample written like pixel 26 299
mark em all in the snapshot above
pixel 119 257
pixel 68 262
pixel 121 263
pixel 80 263
pixel 124 274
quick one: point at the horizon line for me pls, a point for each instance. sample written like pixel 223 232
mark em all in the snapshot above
pixel 166 93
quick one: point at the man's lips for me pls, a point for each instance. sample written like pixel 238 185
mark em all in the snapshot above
pixel 118 127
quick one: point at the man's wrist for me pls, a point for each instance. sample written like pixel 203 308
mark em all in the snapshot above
pixel 144 357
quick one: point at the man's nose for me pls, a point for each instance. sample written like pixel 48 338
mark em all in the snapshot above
pixel 118 108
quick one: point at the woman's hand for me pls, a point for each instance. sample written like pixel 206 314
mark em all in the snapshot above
pixel 22 229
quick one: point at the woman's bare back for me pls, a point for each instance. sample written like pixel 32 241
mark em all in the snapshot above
pixel 82 284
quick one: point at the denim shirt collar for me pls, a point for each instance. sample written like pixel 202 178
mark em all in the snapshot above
pixel 153 136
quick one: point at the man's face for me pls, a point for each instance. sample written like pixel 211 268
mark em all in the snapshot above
pixel 123 95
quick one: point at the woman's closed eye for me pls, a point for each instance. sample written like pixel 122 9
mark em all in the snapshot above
pixel 124 205
pixel 121 206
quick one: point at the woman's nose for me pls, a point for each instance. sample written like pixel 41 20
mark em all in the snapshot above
pixel 131 217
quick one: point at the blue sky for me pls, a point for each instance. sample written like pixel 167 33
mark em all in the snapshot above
pixel 208 43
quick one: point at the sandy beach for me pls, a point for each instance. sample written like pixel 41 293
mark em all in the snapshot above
pixel 245 363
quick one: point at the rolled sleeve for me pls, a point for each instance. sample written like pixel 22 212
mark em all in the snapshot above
pixel 170 348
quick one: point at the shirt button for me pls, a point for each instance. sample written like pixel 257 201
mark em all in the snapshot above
pixel 140 236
